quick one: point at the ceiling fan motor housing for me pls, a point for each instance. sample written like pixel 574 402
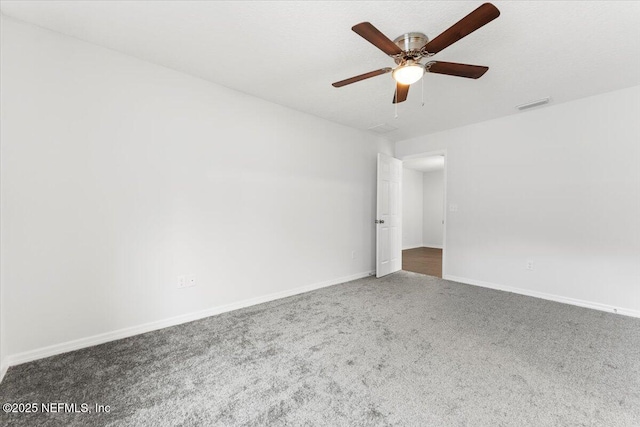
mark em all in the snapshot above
pixel 411 44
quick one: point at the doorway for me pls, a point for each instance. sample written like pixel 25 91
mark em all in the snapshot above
pixel 423 213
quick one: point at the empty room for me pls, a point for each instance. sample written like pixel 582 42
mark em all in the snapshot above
pixel 320 213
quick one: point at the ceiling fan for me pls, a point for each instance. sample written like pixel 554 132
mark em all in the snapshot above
pixel 409 49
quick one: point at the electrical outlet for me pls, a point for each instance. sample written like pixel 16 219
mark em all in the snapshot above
pixel 186 281
pixel 529 265
pixel 453 207
pixel 353 254
pixel 182 282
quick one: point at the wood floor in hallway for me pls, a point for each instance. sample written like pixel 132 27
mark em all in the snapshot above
pixel 423 260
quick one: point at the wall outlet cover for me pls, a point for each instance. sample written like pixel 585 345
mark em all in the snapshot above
pixel 182 282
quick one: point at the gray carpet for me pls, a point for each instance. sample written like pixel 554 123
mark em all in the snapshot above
pixel 406 350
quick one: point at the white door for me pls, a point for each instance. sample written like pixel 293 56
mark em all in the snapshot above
pixel 389 216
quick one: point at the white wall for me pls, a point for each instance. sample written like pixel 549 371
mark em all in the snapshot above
pixel 3 357
pixel 119 175
pixel 3 348
pixel 412 194
pixel 433 208
pixel 559 185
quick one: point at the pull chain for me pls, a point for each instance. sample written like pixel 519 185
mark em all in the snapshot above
pixel 422 91
pixel 395 98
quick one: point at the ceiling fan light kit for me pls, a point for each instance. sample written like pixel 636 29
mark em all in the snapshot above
pixel 409 49
pixel 408 74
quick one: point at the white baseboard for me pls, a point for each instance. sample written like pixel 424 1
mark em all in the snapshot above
pixel 544 295
pixel 41 353
pixel 411 247
pixel 3 370
pixel 424 245
pixel 428 245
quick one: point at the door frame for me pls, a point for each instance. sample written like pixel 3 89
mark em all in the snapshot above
pixel 442 152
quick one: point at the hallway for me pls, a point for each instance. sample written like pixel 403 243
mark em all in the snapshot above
pixel 423 260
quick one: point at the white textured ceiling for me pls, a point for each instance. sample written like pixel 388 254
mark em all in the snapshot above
pixel 290 52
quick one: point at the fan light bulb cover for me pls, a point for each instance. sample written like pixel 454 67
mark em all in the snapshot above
pixel 408 74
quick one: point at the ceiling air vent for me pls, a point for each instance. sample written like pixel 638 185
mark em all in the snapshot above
pixel 532 104
pixel 383 128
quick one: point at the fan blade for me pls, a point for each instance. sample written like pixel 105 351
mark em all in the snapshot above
pixel 376 38
pixel 361 77
pixel 454 69
pixel 467 25
pixel 401 93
